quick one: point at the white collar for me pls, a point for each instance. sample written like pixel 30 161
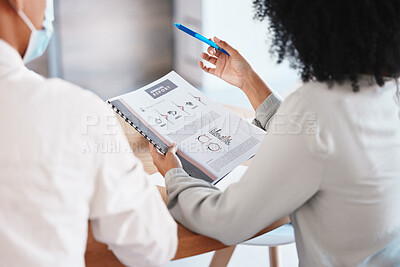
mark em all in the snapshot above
pixel 9 56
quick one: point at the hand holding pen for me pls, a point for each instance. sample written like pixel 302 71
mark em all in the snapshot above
pixel 235 70
pixel 231 67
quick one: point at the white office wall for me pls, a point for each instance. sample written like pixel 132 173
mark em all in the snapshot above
pixel 187 49
pixel 113 47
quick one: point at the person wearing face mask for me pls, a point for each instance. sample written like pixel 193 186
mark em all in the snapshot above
pixel 64 160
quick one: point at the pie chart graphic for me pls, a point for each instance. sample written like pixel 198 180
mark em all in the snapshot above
pixel 214 147
pixel 203 138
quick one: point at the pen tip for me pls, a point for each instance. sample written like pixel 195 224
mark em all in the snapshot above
pixel 177 24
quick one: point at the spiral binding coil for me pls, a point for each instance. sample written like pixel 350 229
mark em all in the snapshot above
pixel 135 127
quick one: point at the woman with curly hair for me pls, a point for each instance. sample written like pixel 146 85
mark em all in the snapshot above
pixel 331 156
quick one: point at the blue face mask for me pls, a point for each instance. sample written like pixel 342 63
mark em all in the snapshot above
pixel 39 39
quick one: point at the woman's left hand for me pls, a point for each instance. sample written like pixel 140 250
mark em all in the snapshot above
pixel 167 162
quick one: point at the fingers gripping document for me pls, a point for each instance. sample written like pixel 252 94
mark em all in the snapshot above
pixel 212 140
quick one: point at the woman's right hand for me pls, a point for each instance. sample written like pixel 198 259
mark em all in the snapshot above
pixel 233 69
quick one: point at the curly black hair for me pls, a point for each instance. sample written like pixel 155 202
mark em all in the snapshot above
pixel 334 41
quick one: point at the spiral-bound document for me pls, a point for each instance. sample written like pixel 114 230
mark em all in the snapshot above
pixel 212 140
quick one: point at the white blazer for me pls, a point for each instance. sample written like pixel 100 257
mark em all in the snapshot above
pixel 64 160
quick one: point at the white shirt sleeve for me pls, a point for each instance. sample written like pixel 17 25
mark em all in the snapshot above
pixel 127 212
pixel 285 173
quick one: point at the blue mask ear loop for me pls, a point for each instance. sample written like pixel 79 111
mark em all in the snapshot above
pixel 23 16
pixel 26 20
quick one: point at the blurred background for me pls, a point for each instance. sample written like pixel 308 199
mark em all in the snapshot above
pixel 113 47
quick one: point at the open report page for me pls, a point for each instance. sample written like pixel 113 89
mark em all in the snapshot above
pixel 212 140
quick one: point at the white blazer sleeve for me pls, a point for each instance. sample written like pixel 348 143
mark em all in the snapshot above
pixel 285 173
pixel 127 212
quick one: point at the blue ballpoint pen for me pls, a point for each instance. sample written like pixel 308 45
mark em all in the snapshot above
pixel 200 37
